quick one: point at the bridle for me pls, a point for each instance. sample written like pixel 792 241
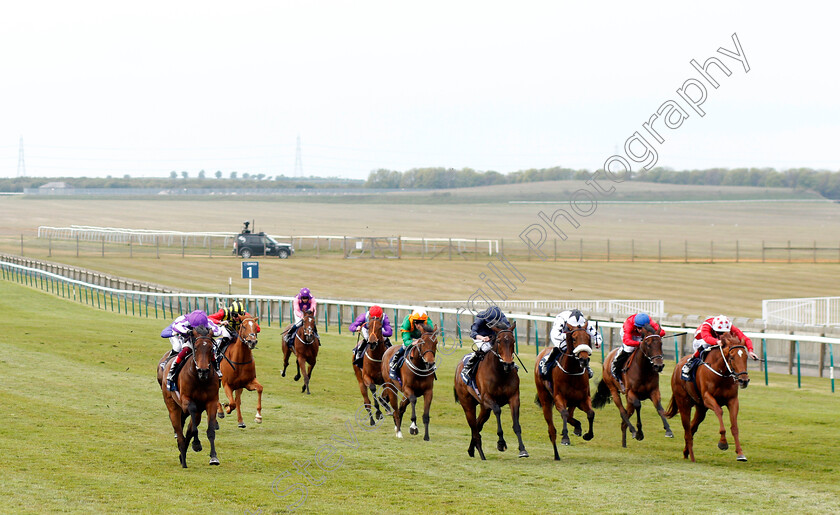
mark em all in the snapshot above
pixel 249 339
pixel 308 331
pixel 506 365
pixel 430 367
pixel 736 376
pixel 571 353
pixel 645 354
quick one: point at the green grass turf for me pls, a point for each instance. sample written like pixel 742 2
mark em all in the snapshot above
pixel 86 430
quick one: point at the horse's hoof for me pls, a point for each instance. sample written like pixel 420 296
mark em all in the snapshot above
pixel 426 438
pixel 723 446
pixel 413 431
pixel 565 441
pixel 588 436
pixel 283 374
pixel 741 457
pixel 379 415
pixel 221 413
pixel 196 446
pixel 640 436
pixel 399 434
pixel 502 446
pixel 258 419
pixel 669 434
pixel 214 460
pixel 297 377
pixel 372 422
pixel 471 452
pixel 524 454
pixel 216 427
pixel 241 425
pixel 577 431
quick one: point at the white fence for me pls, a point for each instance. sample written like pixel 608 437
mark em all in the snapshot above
pixel 122 235
pixel 614 306
pixel 808 311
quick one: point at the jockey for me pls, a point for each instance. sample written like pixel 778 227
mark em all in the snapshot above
pixel 361 323
pixel 409 332
pixel 483 335
pixel 304 301
pixel 179 333
pixel 565 319
pixel 229 319
pixel 630 340
pixel 708 335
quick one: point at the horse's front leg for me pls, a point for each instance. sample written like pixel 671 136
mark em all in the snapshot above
pixel 634 401
pixel 501 445
pixel 308 376
pixel 656 399
pixel 733 406
pixel 586 407
pixel 710 402
pixel 514 415
pixel 398 415
pixel 238 398
pixel 413 430
pixel 379 415
pixel 211 432
pixel 363 388
pixel 192 432
pixel 625 417
pixel 255 385
pixel 176 417
pixel 427 404
pixel 560 404
pixel 286 352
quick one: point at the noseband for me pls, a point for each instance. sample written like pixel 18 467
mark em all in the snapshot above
pixel 735 376
pixel 570 353
pixel 645 354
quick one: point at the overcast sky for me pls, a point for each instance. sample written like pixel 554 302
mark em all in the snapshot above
pixel 144 88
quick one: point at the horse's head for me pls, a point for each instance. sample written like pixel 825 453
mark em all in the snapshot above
pixel 374 327
pixel 248 331
pixel 308 327
pixel 578 345
pixel 735 358
pixel 505 346
pixel 426 345
pixel 203 352
pixel 651 346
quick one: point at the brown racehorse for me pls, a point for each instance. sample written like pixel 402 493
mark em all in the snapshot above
pixel 418 378
pixel 497 380
pixel 569 387
pixel 239 370
pixel 370 374
pixel 715 385
pixel 305 348
pixel 198 390
pixel 641 379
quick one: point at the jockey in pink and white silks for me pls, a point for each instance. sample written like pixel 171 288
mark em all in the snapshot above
pixel 303 302
pixel 570 318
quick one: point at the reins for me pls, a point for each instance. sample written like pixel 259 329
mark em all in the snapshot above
pixel 731 374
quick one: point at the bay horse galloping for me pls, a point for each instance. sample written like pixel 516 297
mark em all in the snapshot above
pixel 642 382
pixel 370 373
pixel 239 370
pixel 198 390
pixel 305 349
pixel 568 388
pixel 716 384
pixel 497 380
pixel 418 378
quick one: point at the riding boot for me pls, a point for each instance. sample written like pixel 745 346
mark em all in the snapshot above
pixel 387 342
pixel 589 371
pixel 173 370
pixel 548 358
pixel 359 357
pixel 618 366
pixel 395 363
pixel 689 365
pixel 468 372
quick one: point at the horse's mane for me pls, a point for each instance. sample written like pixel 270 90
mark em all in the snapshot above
pixel 202 330
pixel 728 338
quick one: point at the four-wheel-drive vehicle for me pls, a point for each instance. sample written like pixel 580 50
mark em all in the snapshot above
pixel 249 244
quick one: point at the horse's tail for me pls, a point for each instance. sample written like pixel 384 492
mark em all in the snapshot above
pixel 672 407
pixel 602 395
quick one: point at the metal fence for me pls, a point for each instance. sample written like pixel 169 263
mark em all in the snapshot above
pixel 806 352
pixel 810 311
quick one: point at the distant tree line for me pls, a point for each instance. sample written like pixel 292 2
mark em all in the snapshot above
pixel 245 181
pixel 823 182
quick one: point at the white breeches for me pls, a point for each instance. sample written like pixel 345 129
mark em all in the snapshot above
pixel 179 342
pixel 365 333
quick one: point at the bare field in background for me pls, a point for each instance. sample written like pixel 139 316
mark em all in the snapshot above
pixel 736 289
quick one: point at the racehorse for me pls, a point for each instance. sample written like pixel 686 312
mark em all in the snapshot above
pixel 305 349
pixel 716 384
pixel 239 370
pixel 568 388
pixel 370 374
pixel 198 390
pixel 418 378
pixel 497 380
pixel 642 382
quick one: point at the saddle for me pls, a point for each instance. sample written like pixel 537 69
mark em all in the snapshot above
pixel 694 364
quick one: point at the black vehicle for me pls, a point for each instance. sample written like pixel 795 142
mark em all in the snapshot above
pixel 249 244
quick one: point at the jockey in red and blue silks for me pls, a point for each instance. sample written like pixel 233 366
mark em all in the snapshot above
pixel 179 333
pixel 303 302
pixel 630 340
